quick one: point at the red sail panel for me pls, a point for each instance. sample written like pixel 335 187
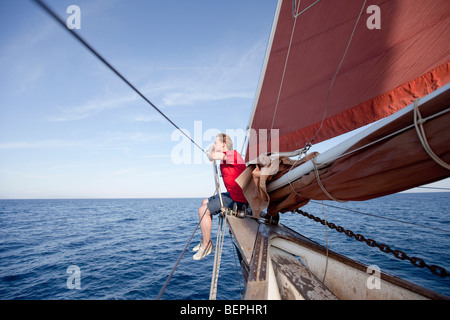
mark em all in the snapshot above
pixel 395 164
pixel 392 159
pixel 383 70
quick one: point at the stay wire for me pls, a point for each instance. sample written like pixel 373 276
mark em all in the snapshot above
pixel 284 73
pixel 337 72
pixel 434 188
pixel 383 217
pixel 326 241
pixel 102 59
pixel 161 292
pixel 221 226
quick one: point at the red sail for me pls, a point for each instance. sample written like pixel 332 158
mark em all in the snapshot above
pixel 381 72
pixel 387 160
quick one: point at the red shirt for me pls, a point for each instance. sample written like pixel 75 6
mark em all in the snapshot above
pixel 231 168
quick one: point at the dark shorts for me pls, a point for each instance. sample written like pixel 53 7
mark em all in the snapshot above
pixel 214 203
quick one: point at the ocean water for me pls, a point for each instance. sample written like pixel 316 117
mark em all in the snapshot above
pixel 126 248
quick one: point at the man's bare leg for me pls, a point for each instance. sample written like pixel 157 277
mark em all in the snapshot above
pixel 205 223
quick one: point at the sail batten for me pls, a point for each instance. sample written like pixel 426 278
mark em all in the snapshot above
pixel 384 69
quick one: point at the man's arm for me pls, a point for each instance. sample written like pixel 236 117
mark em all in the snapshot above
pixel 213 155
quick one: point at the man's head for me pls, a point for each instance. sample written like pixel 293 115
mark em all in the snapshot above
pixel 223 142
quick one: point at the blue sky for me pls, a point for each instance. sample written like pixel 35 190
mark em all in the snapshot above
pixel 70 128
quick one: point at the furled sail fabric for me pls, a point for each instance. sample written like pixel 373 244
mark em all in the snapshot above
pixel 334 66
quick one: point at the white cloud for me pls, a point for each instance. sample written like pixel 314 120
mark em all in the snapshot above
pixel 31 77
pixel 92 107
pixel 232 75
pixel 113 140
pixel 121 172
pixel 156 156
pixel 41 144
pixel 144 118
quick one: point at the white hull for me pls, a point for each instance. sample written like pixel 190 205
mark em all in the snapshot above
pixel 278 263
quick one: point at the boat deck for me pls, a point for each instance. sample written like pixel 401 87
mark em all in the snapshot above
pixel 269 266
pixel 279 263
pixel 244 231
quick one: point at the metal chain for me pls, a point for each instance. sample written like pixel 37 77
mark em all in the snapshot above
pixel 436 270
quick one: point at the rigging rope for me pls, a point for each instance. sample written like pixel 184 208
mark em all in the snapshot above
pixel 284 73
pixel 161 292
pixel 217 257
pixel 417 262
pixel 114 70
pixel 326 241
pixel 296 14
pixel 337 71
pixel 385 218
pixel 219 240
pixel 316 171
pixel 102 59
pixel 418 123
pixel 422 120
pixel 304 10
pixel 434 188
pixel 309 144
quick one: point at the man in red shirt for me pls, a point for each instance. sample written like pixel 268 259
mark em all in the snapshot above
pixel 231 166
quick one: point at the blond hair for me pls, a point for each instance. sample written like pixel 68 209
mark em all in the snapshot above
pixel 228 142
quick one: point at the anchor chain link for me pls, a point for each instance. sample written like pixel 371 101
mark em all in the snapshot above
pixel 417 262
